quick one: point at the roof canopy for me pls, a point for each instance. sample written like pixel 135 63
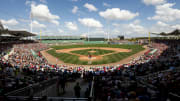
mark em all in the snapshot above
pixel 21 33
pixel 14 33
pixel 173 33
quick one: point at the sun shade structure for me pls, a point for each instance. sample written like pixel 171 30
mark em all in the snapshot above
pixel 21 33
pixel 16 33
pixel 173 33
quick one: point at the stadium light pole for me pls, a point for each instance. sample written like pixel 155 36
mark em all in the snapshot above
pixel 107 21
pixel 31 25
pixel 88 34
pixel 149 37
pixel 40 35
pixel 108 31
pixel 31 22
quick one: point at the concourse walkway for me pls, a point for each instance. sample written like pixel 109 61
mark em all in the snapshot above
pixel 52 91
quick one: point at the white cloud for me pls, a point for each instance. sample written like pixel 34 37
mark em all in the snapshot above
pixel 36 24
pixel 23 29
pixel 163 27
pixel 162 24
pixel 137 28
pixel 136 21
pixel 97 32
pixel 132 29
pixel 166 13
pixel 5 27
pixel 117 14
pixel 75 9
pixel 176 26
pixel 71 26
pixel 84 35
pixel 10 22
pixel 24 20
pixel 28 2
pixel 116 31
pixel 116 24
pixel 90 22
pixel 106 4
pixel 42 13
pixel 153 2
pixel 60 31
pixel 90 7
pixel 43 1
pixel 74 0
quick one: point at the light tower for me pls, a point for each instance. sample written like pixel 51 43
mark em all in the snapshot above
pixel 149 37
pixel 88 34
pixel 40 35
pixel 31 22
pixel 31 25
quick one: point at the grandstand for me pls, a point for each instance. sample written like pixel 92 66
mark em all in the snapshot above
pixel 89 50
pixel 13 35
pixel 26 75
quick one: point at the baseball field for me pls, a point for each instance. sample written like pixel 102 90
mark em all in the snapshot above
pixel 93 54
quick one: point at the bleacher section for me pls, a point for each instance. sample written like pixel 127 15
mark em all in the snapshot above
pixel 62 41
pixel 72 41
pixel 67 39
pixel 59 38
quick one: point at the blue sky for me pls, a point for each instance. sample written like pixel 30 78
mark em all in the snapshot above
pixel 132 18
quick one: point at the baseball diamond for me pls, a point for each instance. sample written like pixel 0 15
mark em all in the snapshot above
pixel 100 53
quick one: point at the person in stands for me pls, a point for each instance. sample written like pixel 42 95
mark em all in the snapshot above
pixel 77 90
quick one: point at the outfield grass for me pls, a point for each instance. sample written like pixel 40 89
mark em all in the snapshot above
pixel 73 59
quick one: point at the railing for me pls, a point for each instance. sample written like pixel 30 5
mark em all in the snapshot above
pixel 23 98
pixel 143 80
pixel 156 74
pixel 174 97
pixel 41 91
pixel 91 95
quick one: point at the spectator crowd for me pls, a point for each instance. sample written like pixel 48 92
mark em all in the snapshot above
pixel 26 66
